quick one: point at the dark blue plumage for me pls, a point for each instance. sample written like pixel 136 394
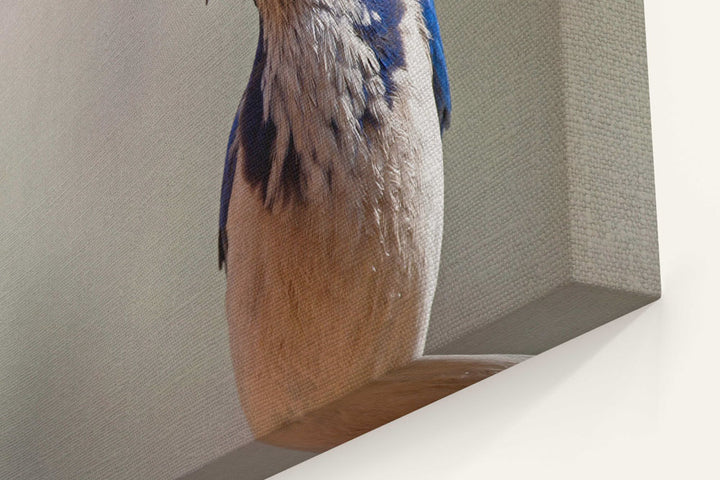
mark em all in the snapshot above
pixel 383 37
pixel 256 135
pixel 228 177
pixel 441 84
pixel 248 121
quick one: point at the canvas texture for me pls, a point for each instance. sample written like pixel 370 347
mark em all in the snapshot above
pixel 114 355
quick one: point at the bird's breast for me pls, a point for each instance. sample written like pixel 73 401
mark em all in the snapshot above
pixel 334 227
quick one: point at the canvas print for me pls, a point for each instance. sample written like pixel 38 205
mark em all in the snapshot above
pixel 242 233
pixel 333 206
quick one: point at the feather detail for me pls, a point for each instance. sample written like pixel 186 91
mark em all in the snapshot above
pixel 441 84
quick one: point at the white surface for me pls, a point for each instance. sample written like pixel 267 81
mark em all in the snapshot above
pixel 638 398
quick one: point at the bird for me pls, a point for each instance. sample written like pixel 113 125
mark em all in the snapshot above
pixel 331 215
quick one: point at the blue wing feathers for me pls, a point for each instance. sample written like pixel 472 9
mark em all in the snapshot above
pixel 228 177
pixel 441 83
pixel 384 38
pixel 382 34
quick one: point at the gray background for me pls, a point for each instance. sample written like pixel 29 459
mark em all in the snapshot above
pixel 114 360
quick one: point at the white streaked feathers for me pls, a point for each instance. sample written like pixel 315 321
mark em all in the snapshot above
pixel 339 78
